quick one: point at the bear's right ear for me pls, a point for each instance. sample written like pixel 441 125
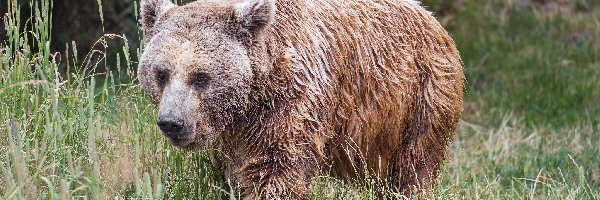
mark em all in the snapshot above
pixel 255 15
pixel 151 10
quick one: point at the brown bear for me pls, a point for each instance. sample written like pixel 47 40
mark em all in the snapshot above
pixel 281 90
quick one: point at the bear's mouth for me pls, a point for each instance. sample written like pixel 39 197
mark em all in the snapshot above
pixel 181 139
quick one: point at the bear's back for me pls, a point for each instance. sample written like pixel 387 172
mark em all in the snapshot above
pixel 371 66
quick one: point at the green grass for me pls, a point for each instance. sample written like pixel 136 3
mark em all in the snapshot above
pixel 530 127
pixel 544 69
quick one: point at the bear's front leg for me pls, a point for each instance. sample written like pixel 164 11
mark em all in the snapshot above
pixel 275 172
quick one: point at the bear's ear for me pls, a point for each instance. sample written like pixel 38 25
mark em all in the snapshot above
pixel 255 15
pixel 150 10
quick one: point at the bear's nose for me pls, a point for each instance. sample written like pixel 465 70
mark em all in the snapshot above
pixel 170 125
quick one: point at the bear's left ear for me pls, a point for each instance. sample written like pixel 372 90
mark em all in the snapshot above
pixel 255 15
pixel 151 10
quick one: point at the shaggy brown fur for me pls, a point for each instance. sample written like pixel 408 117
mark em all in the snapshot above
pixel 289 89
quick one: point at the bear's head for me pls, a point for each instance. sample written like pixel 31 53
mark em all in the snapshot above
pixel 199 63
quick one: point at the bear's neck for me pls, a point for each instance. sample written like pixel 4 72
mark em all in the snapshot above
pixel 272 91
pixel 273 84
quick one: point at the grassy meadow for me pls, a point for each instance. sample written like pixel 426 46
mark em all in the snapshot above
pixel 75 125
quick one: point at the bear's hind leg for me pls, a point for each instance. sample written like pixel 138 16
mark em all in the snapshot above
pixel 415 166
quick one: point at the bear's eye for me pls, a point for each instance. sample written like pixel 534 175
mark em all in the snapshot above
pixel 162 77
pixel 199 80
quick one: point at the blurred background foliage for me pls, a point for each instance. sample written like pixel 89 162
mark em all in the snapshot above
pixel 79 21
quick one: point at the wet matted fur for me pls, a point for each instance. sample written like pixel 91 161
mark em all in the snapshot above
pixel 283 89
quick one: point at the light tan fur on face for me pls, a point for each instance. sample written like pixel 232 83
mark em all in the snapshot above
pixel 296 86
pixel 184 48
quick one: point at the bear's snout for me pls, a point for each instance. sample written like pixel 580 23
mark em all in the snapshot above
pixel 171 126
